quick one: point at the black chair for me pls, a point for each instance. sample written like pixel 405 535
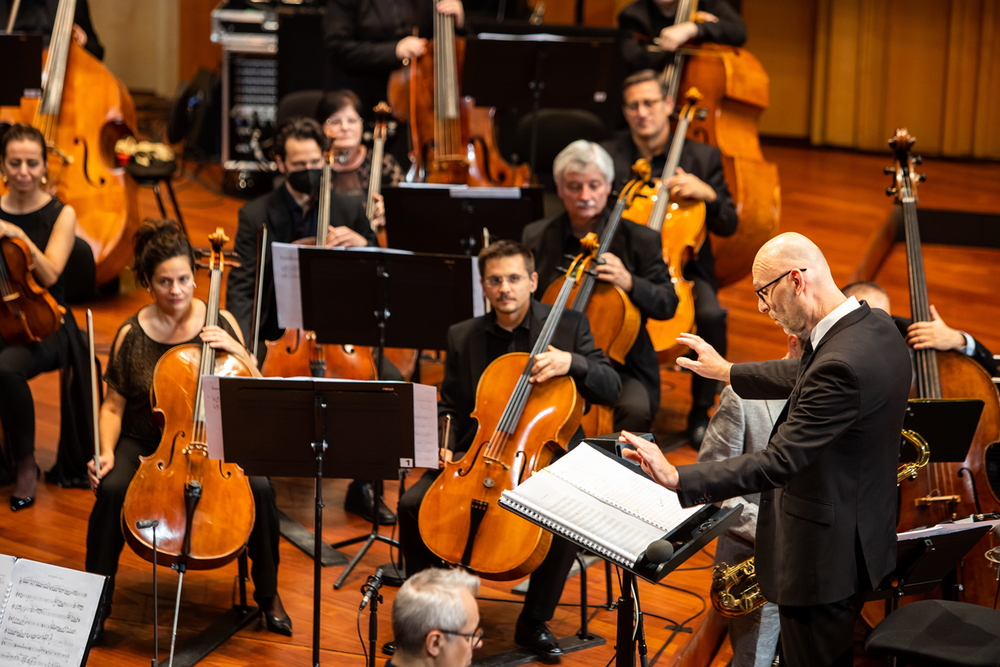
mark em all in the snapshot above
pixel 938 633
pixel 300 103
pixel 557 128
pixel 151 176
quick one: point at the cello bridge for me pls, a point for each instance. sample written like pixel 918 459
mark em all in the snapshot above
pixel 927 501
pixel 491 460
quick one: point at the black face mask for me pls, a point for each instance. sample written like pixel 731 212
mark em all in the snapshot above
pixel 306 181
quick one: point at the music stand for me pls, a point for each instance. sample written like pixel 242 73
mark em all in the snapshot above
pixel 948 425
pixel 463 218
pixel 25 79
pixel 286 427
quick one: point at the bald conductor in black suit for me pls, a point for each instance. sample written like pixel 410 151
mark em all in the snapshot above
pixel 826 528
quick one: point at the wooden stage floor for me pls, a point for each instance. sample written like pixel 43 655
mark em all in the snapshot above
pixel 834 197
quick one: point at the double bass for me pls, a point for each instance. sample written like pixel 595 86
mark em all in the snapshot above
pixel 82 112
pixel 453 140
pixel 521 426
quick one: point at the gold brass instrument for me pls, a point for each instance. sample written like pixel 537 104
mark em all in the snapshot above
pixel 734 588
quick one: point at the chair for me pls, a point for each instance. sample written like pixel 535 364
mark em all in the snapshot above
pixel 557 128
pixel 939 633
pixel 300 103
pixel 151 176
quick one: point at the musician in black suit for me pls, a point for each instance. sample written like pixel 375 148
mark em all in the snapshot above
pixel 647 108
pixel 826 529
pixel 40 16
pixel 513 325
pixel 934 334
pixel 583 173
pixel 645 20
pixel 290 213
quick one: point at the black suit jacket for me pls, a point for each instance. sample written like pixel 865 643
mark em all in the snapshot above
pixel 826 527
pixel 703 161
pixel 40 16
pixel 980 354
pixel 644 18
pixel 468 358
pixel 640 250
pixel 271 210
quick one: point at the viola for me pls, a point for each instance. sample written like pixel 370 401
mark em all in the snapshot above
pixel 29 313
pixel 204 507
pixel 521 426
pixel 382 111
pixel 681 224
pixel 82 112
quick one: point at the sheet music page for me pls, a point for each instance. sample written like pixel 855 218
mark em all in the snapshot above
pixel 48 616
pixel 425 432
pixel 591 472
pixel 6 565
pixel 212 401
pixel 287 288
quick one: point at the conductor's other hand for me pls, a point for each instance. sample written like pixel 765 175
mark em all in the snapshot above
pixel 709 363
pixel 652 460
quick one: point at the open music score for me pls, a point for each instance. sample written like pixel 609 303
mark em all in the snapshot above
pixel 46 613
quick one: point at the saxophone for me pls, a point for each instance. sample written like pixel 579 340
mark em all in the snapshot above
pixel 734 588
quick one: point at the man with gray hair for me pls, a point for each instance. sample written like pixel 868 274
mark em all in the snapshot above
pixel 634 262
pixel 435 620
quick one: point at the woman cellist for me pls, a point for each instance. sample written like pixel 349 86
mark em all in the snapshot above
pixel 45 226
pixel 164 264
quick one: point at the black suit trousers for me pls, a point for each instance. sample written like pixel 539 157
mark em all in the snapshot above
pixel 819 635
pixel 710 321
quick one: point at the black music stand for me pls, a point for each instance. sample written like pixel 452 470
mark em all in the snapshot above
pixel 463 219
pixel 285 427
pixel 26 77
pixel 948 425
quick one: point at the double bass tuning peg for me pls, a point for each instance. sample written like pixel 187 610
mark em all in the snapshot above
pixel 918 159
pixel 888 170
pixel 890 191
pixel 923 177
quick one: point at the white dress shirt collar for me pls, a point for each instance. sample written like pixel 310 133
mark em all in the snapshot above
pixel 834 316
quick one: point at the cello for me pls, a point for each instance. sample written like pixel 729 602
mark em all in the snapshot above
pixel 521 426
pixel 615 320
pixel 82 112
pixel 947 490
pixel 453 140
pixel 681 224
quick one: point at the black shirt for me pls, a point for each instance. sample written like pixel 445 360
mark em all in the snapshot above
pixel 303 222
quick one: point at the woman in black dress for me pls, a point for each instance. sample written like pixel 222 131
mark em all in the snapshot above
pixel 47 226
pixel 164 265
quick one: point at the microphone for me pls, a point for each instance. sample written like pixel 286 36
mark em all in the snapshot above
pixel 371 588
pixel 148 523
pixel 659 551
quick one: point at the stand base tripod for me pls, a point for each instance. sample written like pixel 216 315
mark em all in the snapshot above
pixel 369 540
pixel 297 534
pixel 214 636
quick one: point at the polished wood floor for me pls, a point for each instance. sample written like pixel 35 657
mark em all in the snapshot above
pixel 836 198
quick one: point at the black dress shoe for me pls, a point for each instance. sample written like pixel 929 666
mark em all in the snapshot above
pixel 17 504
pixel 360 500
pixel 697 426
pixel 279 626
pixel 536 637
pixel 389 648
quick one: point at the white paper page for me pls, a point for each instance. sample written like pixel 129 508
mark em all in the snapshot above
pixel 287 290
pixel 486 193
pixel 478 298
pixel 213 416
pixel 425 435
pixel 6 565
pixel 49 615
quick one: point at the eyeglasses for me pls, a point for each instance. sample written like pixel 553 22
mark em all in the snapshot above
pixel 475 638
pixel 633 107
pixel 760 292
pixel 342 122
pixel 496 282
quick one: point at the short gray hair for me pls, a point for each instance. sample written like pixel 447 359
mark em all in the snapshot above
pixel 580 156
pixel 430 600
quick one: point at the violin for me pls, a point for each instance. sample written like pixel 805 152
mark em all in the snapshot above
pixel 382 111
pixel 82 112
pixel 615 320
pixel 521 426
pixel 29 313
pixel 681 224
pixel 204 507
pixel 453 140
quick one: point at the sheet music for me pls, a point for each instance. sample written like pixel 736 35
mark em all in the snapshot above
pixel 425 434
pixel 6 565
pixel 212 401
pixel 490 192
pixel 287 288
pixel 48 615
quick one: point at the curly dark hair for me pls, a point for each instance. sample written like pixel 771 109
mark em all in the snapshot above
pixel 23 132
pixel 155 242
pixel 302 129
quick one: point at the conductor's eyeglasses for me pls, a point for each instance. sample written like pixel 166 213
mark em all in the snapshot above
pixel 762 295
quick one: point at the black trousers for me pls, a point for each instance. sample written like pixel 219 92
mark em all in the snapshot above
pixel 547 581
pixel 105 538
pixel 634 410
pixel 710 320
pixel 819 635
pixel 18 364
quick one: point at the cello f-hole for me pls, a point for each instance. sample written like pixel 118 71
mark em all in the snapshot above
pixel 462 472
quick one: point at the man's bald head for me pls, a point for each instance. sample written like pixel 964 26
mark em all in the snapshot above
pixel 792 251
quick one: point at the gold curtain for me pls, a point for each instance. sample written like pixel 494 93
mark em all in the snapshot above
pixel 927 65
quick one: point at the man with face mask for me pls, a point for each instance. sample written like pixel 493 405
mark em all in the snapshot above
pixel 290 213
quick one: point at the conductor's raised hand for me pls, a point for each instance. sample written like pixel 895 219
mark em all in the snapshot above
pixel 550 364
pixel 652 460
pixel 709 363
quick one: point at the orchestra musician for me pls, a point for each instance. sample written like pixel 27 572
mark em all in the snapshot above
pixel 47 227
pixel 340 113
pixel 584 173
pixel 290 213
pixel 717 22
pixel 647 108
pixel 935 334
pixel 164 265
pixel 826 529
pixel 39 16
pixel 513 325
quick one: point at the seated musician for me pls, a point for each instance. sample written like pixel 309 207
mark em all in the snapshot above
pixel 290 213
pixel 935 334
pixel 47 227
pixel 40 16
pixel 584 173
pixel 340 113
pixel 435 619
pixel 644 20
pixel 647 109
pixel 164 265
pixel 513 325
